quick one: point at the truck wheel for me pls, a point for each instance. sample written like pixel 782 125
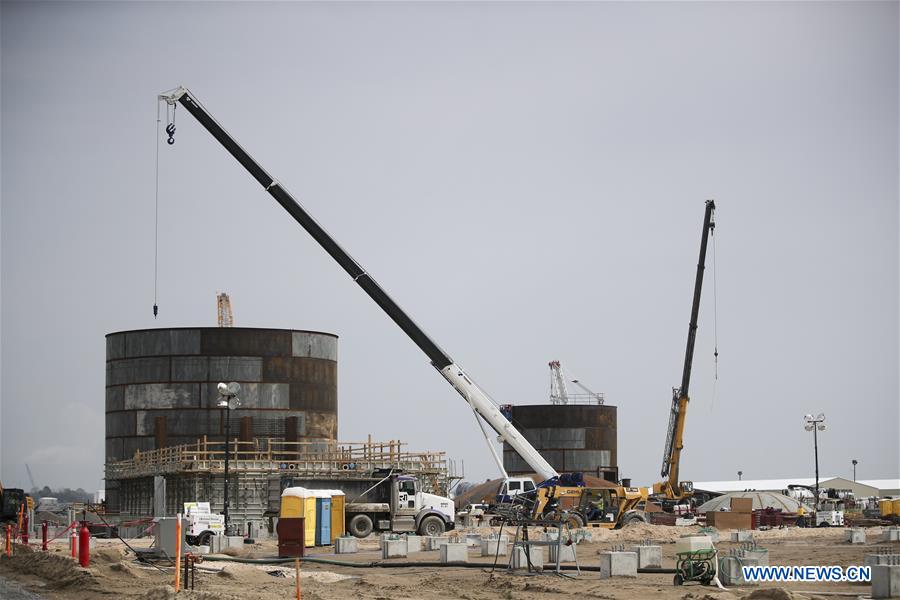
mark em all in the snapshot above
pixel 574 522
pixel 204 538
pixel 636 516
pixel 431 526
pixel 361 526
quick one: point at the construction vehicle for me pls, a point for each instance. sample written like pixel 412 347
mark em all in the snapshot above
pixel 477 399
pixel 394 503
pixel 555 494
pixel 399 505
pixel 670 488
pixel 11 502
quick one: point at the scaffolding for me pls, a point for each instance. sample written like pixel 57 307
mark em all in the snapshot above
pixel 357 460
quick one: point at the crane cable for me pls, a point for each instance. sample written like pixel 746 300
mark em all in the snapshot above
pixel 715 325
pixel 156 220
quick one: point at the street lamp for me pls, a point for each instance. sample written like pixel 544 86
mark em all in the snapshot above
pixel 855 462
pixel 815 424
pixel 229 401
pixel 740 474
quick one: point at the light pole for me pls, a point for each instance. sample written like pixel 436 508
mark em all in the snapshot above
pixel 815 424
pixel 229 401
pixel 855 462
pixel 740 474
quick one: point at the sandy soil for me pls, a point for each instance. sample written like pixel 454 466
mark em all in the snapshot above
pixel 114 573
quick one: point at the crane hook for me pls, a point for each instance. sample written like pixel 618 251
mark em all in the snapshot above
pixel 170 129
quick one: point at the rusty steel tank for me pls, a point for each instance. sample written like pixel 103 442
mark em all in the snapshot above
pixel 161 386
pixel 571 437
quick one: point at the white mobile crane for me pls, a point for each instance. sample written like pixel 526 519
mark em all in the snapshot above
pixel 477 399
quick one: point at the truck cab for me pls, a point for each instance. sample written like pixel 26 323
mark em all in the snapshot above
pixel 512 487
pixel 399 505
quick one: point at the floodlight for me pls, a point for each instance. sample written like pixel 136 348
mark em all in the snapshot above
pixel 820 417
pixel 223 388
pixel 223 403
pixel 808 427
pixel 822 427
pixel 806 417
pixel 234 388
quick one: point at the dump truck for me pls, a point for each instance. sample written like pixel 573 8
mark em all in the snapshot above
pixel 396 503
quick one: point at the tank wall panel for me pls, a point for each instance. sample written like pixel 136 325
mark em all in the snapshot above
pixel 234 341
pixel 266 395
pixel 235 368
pixel 309 345
pixel 120 424
pixel 162 395
pixel 162 342
pixel 115 346
pixel 190 368
pixel 137 370
pixel 115 398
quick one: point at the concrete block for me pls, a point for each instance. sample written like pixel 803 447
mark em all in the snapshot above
pixel 434 543
pixel 730 572
pixel 384 537
pixel 741 535
pixel 520 560
pixel 583 535
pixel 566 553
pixel 870 559
pixel 393 549
pixel 886 581
pixel 648 556
pixel 618 564
pixel 473 540
pixel 346 545
pixel 494 547
pixel 891 534
pixel 414 543
pixel 235 541
pixel 454 553
pixel 855 536
pixel 760 554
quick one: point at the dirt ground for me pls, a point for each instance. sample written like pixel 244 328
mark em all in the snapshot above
pixel 114 572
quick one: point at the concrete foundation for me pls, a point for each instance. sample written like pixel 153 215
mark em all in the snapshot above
pixel 494 547
pixel 618 564
pixel 454 553
pixel 520 560
pixel 730 572
pixel 414 543
pixel 648 556
pixel 435 543
pixel 346 545
pixel 891 534
pixel 886 581
pixel 393 549
pixel 473 540
pixel 741 535
pixel 855 536
pixel 566 553
pixel 872 559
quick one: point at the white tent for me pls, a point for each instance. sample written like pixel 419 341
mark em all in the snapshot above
pixel 760 500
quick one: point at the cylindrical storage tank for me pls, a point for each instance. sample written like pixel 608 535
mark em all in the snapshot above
pixel 161 386
pixel 573 438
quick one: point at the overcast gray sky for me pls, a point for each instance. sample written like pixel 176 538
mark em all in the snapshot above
pixel 527 180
